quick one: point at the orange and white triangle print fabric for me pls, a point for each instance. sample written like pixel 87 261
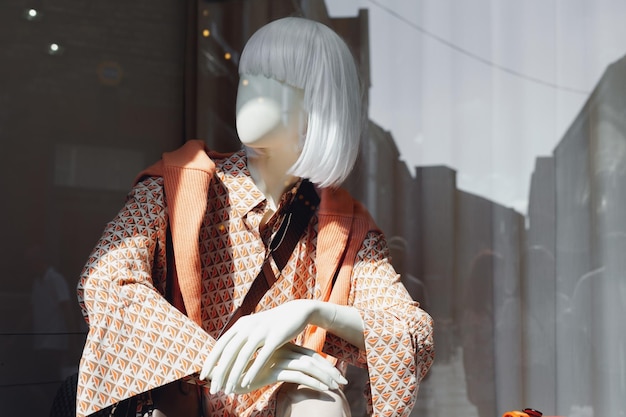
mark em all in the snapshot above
pixel 398 334
pixel 138 340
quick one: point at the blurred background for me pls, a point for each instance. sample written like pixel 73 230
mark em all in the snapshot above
pixel 494 160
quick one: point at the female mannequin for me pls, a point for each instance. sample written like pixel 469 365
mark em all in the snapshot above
pixel 271 123
pixel 298 116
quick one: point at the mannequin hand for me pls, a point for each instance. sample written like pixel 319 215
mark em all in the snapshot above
pixel 298 365
pixel 262 333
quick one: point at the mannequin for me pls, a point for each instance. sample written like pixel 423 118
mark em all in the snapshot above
pixel 270 122
pixel 195 230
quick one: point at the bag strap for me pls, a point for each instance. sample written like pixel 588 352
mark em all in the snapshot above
pixel 296 219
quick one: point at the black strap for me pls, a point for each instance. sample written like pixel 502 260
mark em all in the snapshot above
pixel 296 219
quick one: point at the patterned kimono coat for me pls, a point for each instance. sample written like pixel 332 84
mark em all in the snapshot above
pixel 146 330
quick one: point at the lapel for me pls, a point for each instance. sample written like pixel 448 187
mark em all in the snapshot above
pixel 187 173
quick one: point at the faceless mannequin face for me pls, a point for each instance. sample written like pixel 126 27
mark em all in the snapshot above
pixel 269 113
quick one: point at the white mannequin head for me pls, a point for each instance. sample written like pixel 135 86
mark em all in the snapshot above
pixel 269 113
pixel 304 55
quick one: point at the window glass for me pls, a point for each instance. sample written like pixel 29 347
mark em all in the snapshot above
pixel 91 93
pixel 493 159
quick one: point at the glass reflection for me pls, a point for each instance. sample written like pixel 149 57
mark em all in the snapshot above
pixel 528 306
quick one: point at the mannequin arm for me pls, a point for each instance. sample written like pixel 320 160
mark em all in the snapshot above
pixel 398 334
pixel 264 333
pixel 294 364
pixel 342 321
pixel 118 290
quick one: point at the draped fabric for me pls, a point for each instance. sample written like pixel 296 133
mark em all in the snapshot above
pixel 138 340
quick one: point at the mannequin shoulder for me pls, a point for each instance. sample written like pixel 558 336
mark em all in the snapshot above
pixel 339 201
pixel 195 155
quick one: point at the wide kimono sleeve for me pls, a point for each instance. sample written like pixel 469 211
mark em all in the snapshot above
pixel 398 334
pixel 137 340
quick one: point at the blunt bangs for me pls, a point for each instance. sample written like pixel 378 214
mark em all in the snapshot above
pixel 308 55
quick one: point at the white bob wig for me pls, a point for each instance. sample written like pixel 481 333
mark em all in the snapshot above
pixel 308 55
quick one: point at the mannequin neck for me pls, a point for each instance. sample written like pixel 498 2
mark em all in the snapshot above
pixel 268 168
pixel 270 120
